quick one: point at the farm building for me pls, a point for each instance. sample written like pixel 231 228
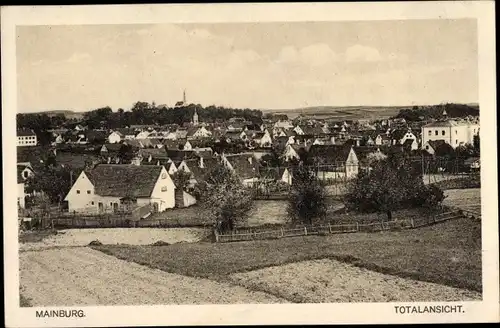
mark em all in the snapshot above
pixel 112 188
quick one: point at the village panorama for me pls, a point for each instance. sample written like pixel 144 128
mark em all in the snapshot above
pixel 248 163
pixel 248 206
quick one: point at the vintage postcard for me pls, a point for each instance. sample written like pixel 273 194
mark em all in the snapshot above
pixel 216 164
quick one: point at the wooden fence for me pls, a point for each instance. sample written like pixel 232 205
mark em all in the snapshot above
pixel 246 235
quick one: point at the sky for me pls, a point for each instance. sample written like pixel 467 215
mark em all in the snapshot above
pixel 248 65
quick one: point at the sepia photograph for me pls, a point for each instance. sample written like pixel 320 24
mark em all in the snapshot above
pixel 250 162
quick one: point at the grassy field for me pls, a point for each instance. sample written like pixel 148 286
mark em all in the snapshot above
pixel 342 112
pixel 448 253
pixel 36 236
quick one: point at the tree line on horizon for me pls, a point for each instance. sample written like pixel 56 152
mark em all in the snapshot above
pixel 421 113
pixel 141 113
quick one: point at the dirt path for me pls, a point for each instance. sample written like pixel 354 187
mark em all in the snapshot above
pixel 82 276
pixel 329 281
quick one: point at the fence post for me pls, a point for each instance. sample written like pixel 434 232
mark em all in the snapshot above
pixel 305 231
pixel 412 223
pixel 216 236
pixel 357 226
pixel 329 228
pixel 282 232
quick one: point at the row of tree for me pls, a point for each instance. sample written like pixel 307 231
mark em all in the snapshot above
pixel 421 113
pixel 140 113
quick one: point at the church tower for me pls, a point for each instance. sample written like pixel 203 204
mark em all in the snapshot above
pixel 195 118
pixel 184 97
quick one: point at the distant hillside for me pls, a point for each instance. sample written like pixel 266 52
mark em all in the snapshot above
pixel 342 112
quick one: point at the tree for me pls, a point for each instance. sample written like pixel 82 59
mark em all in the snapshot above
pixel 55 182
pixel 391 184
pixel 181 179
pixel 307 199
pixel 476 143
pixel 126 153
pixel 225 199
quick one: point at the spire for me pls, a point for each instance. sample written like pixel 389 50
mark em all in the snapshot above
pixel 184 97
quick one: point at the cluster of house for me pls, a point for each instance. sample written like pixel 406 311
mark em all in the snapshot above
pixel 338 150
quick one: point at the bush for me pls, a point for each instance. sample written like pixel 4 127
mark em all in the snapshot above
pixel 95 243
pixel 160 243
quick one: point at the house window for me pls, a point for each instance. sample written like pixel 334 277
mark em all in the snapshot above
pixel 88 192
pixel 436 132
pixel 456 141
pixel 164 176
pixel 78 191
pixel 443 132
pixel 164 188
pixel 456 132
pixel 92 203
pixel 110 203
pixel 427 147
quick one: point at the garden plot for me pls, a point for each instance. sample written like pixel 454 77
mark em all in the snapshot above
pixel 82 276
pixel 467 199
pixel 129 236
pixel 330 281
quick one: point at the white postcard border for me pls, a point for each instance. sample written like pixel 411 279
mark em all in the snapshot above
pixel 483 11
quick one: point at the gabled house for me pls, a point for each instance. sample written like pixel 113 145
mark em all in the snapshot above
pixel 245 166
pixel 115 137
pixel 198 132
pixel 399 137
pixel 111 188
pixel 173 144
pixel 283 125
pixel 410 145
pixel 298 129
pixel 362 153
pixel 438 148
pixel 25 170
pixel 334 161
pixel 142 134
pixel 21 195
pixel 156 156
pixel 292 152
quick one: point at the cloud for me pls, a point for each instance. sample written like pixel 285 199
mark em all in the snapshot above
pixel 318 54
pixel 362 53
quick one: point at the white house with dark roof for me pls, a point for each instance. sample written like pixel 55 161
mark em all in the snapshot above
pixel 452 132
pixel 335 161
pixel 109 188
